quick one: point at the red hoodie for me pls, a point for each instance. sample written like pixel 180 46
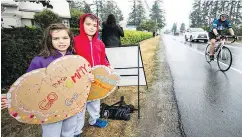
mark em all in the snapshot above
pixel 93 51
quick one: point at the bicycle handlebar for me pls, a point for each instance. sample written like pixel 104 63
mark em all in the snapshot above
pixel 226 37
pixel 233 40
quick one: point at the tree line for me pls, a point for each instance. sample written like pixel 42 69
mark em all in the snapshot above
pixel 102 8
pixel 205 11
pixel 137 16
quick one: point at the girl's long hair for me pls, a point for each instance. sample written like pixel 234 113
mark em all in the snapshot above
pixel 46 44
pixel 111 20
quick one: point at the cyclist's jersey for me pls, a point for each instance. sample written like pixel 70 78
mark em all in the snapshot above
pixel 221 25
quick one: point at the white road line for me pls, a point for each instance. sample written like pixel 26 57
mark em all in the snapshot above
pixel 235 69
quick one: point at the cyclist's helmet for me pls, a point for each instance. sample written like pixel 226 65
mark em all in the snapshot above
pixel 224 14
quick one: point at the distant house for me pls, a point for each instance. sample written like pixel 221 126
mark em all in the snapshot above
pixel 10 15
pixel 22 13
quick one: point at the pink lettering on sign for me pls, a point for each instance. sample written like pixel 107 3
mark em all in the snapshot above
pixel 82 69
pixel 74 77
pixel 77 74
pixel 52 97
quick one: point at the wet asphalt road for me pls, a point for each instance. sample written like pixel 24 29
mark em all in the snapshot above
pixel 209 101
pixel 236 49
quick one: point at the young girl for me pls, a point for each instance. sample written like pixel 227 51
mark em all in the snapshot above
pixel 57 42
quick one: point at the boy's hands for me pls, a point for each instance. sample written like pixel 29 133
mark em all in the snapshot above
pixel 91 77
pixel 111 68
pixel 4 101
pixel 235 37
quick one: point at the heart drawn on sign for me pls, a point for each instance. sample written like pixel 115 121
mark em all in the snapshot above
pixel 51 94
pixel 105 82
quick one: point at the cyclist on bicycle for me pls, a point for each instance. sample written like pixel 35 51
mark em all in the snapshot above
pixel 218 25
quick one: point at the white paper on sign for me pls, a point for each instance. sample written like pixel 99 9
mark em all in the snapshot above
pixel 127 58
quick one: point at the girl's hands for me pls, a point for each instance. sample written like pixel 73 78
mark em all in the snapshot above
pixel 4 101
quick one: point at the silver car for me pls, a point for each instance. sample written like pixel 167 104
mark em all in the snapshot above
pixel 196 34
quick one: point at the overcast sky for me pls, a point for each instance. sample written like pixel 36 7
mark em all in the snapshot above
pixel 176 10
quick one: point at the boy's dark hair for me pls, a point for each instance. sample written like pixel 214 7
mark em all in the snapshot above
pixel 91 16
pixel 47 47
pixel 111 20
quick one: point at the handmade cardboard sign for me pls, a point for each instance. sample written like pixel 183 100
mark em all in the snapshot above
pixel 104 83
pixel 51 94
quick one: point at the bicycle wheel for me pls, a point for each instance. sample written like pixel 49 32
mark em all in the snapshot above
pixel 207 57
pixel 224 59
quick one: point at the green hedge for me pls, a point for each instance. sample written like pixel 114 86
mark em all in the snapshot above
pixel 130 36
pixel 20 45
pixel 133 37
pixel 75 31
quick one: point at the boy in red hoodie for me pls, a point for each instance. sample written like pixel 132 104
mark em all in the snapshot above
pixel 92 49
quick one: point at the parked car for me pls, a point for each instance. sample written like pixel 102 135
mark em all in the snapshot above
pixel 196 34
pixel 176 33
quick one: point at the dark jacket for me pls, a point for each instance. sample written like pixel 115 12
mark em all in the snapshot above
pixel 111 35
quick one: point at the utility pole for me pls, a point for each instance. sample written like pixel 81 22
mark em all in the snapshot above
pixel 135 12
pixel 97 7
pixel 95 3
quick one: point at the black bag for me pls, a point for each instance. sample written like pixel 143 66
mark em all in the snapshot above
pixel 121 112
